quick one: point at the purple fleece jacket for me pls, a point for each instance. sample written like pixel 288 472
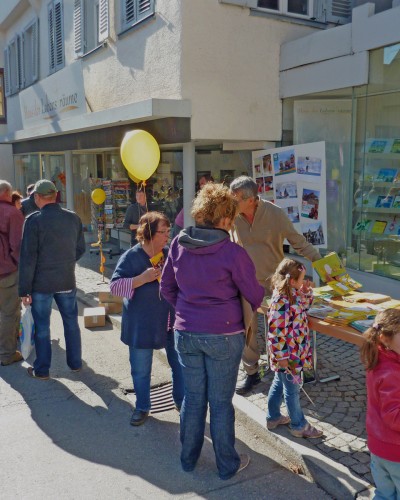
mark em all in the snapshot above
pixel 203 278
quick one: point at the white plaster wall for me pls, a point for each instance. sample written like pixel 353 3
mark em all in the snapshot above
pixel 230 70
pixel 143 63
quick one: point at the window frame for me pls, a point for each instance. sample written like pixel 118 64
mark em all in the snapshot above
pixel 33 57
pixel 283 9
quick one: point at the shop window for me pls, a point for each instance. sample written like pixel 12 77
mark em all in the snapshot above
pixel 3 113
pixel 91 25
pixel 135 11
pixel 56 35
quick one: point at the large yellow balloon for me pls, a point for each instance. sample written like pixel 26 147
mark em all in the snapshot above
pixel 98 196
pixel 140 154
pixel 135 179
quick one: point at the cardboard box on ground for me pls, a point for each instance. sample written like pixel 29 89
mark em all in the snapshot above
pixel 111 303
pixel 94 317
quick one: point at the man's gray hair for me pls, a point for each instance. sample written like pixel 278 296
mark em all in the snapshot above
pixel 246 185
pixel 5 187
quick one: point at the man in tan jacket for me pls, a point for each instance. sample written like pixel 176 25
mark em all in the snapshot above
pixel 261 228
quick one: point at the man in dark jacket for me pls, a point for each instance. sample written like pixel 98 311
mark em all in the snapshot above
pixel 28 204
pixel 133 214
pixel 52 242
pixel 11 222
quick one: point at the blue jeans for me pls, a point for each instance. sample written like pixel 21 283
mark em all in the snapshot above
pixel 386 475
pixel 281 386
pixel 41 311
pixel 210 366
pixel 141 361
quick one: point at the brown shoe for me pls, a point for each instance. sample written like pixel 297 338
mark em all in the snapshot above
pixel 31 373
pixel 15 358
pixel 273 424
pixel 308 431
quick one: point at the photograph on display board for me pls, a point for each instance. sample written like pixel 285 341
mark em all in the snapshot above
pixel 308 165
pixel 313 233
pixel 260 184
pixel 267 165
pixel 285 190
pixel 257 168
pixel 268 183
pixel 284 162
pixel 292 213
pixel 310 203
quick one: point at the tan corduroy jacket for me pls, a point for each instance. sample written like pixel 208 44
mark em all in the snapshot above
pixel 264 240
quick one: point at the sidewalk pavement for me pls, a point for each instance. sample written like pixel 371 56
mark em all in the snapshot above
pixel 338 461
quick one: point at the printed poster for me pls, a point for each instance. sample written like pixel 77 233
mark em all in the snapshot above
pixel 294 178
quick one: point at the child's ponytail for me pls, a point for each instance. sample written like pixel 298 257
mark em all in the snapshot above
pixel 288 269
pixel 385 327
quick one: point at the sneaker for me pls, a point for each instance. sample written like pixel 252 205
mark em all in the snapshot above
pixel 244 462
pixel 31 373
pixel 273 424
pixel 75 370
pixel 245 385
pixel 15 358
pixel 308 431
pixel 138 417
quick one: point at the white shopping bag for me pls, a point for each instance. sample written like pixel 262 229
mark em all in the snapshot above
pixel 27 332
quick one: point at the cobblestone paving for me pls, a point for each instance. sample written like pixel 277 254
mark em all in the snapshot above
pixel 340 405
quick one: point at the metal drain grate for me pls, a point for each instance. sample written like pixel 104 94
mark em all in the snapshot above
pixel 160 397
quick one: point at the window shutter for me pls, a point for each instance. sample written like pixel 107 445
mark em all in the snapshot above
pixel 59 35
pixel 35 51
pixel 19 63
pixel 338 11
pixel 144 8
pixel 6 72
pixel 50 17
pixel 103 21
pixel 129 12
pixel 78 27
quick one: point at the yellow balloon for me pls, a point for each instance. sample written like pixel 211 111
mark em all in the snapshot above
pixel 135 179
pixel 140 154
pixel 98 196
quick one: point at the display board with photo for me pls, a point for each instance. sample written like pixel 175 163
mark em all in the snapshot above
pixel 294 178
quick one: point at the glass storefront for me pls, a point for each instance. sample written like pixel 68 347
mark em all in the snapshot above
pixel 361 127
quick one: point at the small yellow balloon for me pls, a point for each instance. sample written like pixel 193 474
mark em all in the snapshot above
pixel 140 154
pixel 98 196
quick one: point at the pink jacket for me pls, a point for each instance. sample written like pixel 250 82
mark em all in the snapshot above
pixel 383 406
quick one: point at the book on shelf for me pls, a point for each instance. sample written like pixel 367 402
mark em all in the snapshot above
pixel 393 227
pixel 331 270
pixel 384 201
pixel 362 325
pixel 386 174
pixel 396 202
pixel 379 226
pixel 395 146
pixel 362 225
pixel 377 146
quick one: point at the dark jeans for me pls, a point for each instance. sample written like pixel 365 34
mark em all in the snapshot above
pixel 210 366
pixel 141 361
pixel 41 311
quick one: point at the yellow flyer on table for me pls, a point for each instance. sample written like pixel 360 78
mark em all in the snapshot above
pixel 158 261
pixel 331 270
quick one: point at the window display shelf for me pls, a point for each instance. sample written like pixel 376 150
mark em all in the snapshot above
pixel 373 210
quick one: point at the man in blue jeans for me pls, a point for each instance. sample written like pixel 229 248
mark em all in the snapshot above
pixel 52 242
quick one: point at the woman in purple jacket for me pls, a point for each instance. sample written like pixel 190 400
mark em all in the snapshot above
pixel 204 277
